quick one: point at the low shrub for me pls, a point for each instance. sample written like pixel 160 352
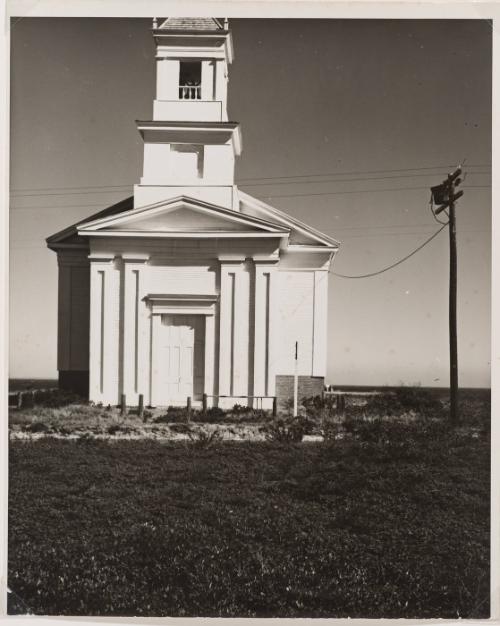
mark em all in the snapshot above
pixel 204 439
pixel 213 414
pixel 181 428
pixel 57 398
pixel 37 427
pixel 405 400
pixel 287 430
pixel 122 428
pixel 175 415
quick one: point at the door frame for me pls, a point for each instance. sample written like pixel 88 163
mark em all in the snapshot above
pixel 180 304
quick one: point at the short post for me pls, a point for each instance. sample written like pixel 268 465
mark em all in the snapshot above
pixel 275 406
pixel 20 400
pixel 204 403
pixel 140 408
pixel 189 409
pixel 123 404
pixel 28 400
pixel 340 405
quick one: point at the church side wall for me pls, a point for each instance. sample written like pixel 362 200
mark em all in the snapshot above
pixel 302 299
pixel 295 300
pixel 73 320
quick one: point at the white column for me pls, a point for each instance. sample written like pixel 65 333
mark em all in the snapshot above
pixel 265 328
pixel 155 391
pixel 207 79
pixel 104 318
pixel 208 386
pixel 319 355
pixel 241 333
pixel 221 84
pixel 229 334
pixel 134 327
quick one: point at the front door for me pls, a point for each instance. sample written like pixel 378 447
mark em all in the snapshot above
pixel 182 358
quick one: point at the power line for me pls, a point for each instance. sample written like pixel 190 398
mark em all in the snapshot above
pixel 18 190
pixel 68 193
pixel 51 206
pixel 82 187
pixel 348 180
pixel 298 195
pixel 385 269
pixel 335 193
pixel 409 169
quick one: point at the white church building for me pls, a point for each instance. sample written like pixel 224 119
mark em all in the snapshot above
pixel 191 286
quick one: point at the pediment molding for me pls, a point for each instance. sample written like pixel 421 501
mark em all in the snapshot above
pixel 188 217
pixel 181 304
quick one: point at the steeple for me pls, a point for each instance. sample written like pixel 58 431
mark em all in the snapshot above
pixel 189 145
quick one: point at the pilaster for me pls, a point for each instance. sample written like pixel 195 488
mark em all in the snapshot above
pixel 104 331
pixel 264 350
pixel 208 387
pixel 135 328
pixel 231 337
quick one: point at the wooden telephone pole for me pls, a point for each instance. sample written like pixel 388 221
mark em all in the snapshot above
pixel 445 196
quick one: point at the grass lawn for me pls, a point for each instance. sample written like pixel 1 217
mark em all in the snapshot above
pixel 390 521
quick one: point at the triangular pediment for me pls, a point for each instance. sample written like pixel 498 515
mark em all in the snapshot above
pixel 182 216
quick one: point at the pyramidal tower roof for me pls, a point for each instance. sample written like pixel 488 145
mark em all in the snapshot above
pixel 191 23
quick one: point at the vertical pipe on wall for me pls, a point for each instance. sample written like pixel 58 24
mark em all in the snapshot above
pixel 266 350
pixel 136 330
pixel 232 278
pixel 101 331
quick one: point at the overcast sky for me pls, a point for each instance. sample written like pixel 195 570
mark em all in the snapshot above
pixel 358 117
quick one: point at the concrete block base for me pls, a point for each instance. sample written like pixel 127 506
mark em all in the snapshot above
pixel 307 386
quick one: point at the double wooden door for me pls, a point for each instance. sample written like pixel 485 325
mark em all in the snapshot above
pixel 182 358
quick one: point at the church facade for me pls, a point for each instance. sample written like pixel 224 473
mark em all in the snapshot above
pixel 191 286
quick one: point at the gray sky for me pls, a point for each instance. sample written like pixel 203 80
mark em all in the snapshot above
pixel 374 105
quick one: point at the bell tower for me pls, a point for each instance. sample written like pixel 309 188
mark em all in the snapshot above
pixel 189 145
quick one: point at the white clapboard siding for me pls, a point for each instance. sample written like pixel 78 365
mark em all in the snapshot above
pixel 294 321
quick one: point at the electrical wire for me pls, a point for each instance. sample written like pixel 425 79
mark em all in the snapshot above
pixel 19 190
pixel 336 193
pixel 436 218
pixel 347 180
pixel 385 269
pixel 408 169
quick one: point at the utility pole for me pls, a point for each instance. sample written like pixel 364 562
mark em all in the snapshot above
pixel 445 196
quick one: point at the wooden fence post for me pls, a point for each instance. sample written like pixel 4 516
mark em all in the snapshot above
pixel 123 404
pixel 204 403
pixel 189 409
pixel 340 405
pixel 275 406
pixel 140 408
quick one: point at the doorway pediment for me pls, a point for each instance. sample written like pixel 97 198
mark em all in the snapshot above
pixel 181 304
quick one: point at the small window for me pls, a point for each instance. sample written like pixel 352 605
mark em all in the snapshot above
pixel 190 80
pixel 187 161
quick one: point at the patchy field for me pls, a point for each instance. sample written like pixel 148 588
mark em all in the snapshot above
pixel 391 520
